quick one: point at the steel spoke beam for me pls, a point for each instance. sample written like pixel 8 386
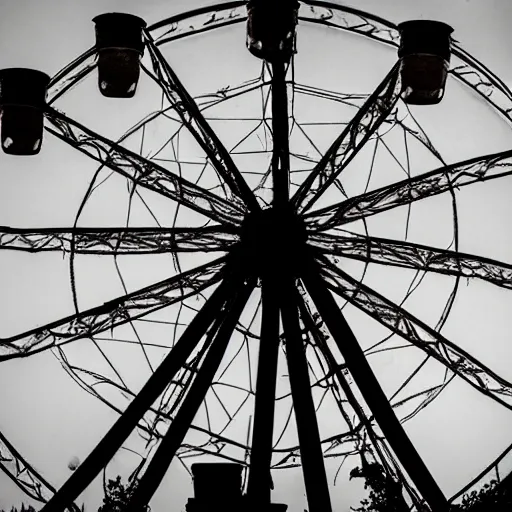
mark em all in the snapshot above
pixel 141 171
pixel 193 119
pixel 315 478
pixel 418 257
pixel 335 370
pixel 24 475
pixel 351 140
pixel 418 333
pixel 110 241
pixel 373 393
pixel 113 313
pixel 438 181
pixel 221 335
pixel 280 135
pixel 259 484
pixel 154 387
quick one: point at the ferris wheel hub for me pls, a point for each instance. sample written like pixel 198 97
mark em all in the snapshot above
pixel 273 240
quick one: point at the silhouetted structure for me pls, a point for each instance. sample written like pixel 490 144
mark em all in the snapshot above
pixel 425 59
pixel 271 29
pixel 120 46
pixel 284 246
pixel 218 486
pixel 22 101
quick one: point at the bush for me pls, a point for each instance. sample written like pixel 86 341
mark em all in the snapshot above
pixel 28 508
pixel 386 494
pixel 117 496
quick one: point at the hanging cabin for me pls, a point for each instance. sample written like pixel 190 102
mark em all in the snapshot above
pixel 425 49
pixel 218 486
pixel 22 102
pixel 271 29
pixel 120 46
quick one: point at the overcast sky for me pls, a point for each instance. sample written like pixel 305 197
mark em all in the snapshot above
pixel 45 414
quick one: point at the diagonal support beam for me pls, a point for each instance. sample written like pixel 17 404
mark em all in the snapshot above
pixel 351 140
pixel 110 241
pixel 113 313
pixel 416 256
pixel 334 369
pixel 221 335
pixel 194 120
pixel 141 171
pixel 259 484
pixel 406 325
pixel 373 393
pixel 438 181
pixel 313 468
pixel 154 387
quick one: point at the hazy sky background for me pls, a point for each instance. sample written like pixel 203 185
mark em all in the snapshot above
pixel 44 413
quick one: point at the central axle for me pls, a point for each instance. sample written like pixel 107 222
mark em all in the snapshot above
pixel 273 240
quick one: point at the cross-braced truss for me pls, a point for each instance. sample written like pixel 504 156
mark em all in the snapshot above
pixel 223 372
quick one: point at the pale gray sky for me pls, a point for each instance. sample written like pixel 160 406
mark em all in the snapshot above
pixel 50 419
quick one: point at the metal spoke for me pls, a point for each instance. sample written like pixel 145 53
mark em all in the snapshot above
pixel 334 369
pixel 24 475
pixel 313 468
pixel 113 313
pixel 281 145
pixel 153 388
pixel 194 120
pixel 415 331
pixel 142 171
pixel 415 256
pixel 104 241
pixel 355 135
pixel 259 485
pixel 430 184
pixel 221 335
pixel 373 393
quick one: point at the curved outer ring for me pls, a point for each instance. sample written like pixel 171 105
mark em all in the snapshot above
pixel 465 68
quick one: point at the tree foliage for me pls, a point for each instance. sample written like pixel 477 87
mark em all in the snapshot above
pixel 24 508
pixel 117 495
pixel 386 494
pixel 492 497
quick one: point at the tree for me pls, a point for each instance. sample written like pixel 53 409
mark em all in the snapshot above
pixel 386 496
pixel 28 508
pixel 385 492
pixel 492 497
pixel 117 496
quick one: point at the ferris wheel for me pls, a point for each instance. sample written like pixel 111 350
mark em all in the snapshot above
pixel 256 205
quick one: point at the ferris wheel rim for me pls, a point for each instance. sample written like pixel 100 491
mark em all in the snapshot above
pixel 473 66
pixel 81 59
